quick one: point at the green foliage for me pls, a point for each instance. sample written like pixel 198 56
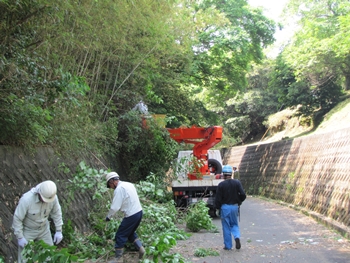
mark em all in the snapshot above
pixel 96 244
pixel 147 143
pixel 67 232
pixel 313 48
pixel 26 124
pixel 300 92
pixel 314 53
pixel 228 141
pixel 244 114
pixel 25 118
pixel 67 82
pixel 158 229
pixel 154 188
pixel 87 179
pixel 205 252
pixel 41 252
pixel 238 126
pixel 185 166
pixel 159 249
pixel 158 219
pixel 182 167
pixel 327 95
pixel 42 36
pixel 231 36
pixel 48 111
pixel 2 260
pixel 73 91
pixel 198 218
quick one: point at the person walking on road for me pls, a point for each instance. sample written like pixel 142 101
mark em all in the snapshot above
pixel 30 220
pixel 229 197
pixel 125 199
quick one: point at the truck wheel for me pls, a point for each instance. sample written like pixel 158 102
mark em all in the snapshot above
pixel 216 165
pixel 212 213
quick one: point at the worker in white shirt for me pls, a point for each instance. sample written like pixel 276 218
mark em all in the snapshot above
pixel 126 200
pixel 30 220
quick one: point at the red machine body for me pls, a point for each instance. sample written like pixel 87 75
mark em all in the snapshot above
pixel 202 138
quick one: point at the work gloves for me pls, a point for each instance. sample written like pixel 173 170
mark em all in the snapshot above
pixel 57 238
pixel 22 242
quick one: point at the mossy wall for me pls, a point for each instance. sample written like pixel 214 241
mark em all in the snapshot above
pixel 311 172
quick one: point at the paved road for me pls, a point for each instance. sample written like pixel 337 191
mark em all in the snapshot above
pixel 272 233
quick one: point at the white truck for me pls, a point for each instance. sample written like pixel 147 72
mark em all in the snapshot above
pixel 200 169
pixel 187 190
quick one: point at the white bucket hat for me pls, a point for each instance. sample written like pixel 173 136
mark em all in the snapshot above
pixel 110 176
pixel 47 191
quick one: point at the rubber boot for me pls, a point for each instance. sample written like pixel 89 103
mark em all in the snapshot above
pixel 118 256
pixel 140 248
pixel 238 243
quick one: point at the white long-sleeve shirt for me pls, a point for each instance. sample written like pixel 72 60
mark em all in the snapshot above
pixel 33 214
pixel 125 199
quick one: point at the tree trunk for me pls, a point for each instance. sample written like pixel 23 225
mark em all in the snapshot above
pixel 347 81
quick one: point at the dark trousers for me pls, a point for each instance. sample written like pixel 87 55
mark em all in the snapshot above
pixel 127 230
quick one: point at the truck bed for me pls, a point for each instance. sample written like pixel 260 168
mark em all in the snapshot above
pixel 196 183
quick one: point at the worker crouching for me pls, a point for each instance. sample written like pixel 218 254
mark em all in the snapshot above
pixel 30 220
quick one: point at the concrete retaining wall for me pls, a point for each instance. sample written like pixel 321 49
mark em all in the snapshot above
pixel 312 173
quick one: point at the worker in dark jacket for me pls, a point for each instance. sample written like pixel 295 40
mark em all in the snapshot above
pixel 229 197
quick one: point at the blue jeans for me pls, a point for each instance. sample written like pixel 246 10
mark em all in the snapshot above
pixel 229 221
pixel 127 230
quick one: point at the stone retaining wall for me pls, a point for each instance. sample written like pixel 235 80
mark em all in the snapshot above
pixel 311 173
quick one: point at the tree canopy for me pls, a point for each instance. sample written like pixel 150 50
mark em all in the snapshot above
pixel 72 71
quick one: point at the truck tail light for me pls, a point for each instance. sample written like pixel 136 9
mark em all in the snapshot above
pixel 179 193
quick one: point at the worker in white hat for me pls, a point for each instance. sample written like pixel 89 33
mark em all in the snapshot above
pixel 126 200
pixel 30 220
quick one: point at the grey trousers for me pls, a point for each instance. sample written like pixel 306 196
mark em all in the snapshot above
pixel 35 235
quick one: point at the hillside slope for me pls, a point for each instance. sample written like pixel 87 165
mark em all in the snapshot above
pixel 338 118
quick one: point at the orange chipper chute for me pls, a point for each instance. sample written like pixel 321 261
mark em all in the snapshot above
pixel 202 138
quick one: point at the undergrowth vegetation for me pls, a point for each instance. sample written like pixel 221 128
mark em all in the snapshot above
pixel 159 230
pixel 204 252
pixel 198 218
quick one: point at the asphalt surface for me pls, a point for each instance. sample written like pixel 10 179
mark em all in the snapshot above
pixel 271 233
